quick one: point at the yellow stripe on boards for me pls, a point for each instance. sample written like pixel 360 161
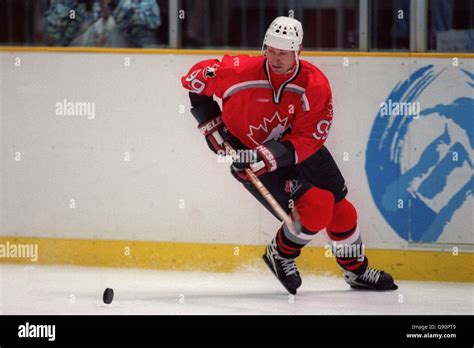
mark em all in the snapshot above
pixel 221 52
pixel 403 265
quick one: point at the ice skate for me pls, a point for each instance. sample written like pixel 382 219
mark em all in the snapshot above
pixel 284 268
pixel 371 279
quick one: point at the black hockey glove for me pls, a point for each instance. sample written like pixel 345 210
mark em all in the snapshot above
pixel 208 114
pixel 263 159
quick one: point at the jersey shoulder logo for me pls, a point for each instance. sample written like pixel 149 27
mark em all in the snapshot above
pixel 210 71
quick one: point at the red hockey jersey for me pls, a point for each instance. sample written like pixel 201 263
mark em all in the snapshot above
pixel 258 106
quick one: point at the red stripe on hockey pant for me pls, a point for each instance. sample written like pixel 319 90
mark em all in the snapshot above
pixel 344 217
pixel 315 209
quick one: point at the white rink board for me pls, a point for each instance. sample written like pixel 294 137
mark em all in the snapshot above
pixel 138 110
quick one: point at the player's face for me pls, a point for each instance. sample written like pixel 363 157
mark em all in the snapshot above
pixel 280 61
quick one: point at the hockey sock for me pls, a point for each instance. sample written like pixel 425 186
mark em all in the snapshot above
pixel 345 238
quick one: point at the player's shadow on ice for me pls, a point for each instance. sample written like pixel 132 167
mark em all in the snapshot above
pixel 274 295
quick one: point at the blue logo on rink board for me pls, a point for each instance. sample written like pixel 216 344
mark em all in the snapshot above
pixel 420 168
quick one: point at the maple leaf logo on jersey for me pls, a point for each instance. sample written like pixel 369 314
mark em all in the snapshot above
pixel 271 128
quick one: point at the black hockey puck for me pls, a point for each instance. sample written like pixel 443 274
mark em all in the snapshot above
pixel 108 295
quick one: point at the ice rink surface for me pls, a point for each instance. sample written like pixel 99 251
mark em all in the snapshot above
pixel 78 290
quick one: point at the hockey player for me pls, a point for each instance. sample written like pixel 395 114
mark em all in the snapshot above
pixel 280 107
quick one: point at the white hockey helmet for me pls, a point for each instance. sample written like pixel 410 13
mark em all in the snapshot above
pixel 284 33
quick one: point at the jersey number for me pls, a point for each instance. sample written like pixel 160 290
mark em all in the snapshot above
pixel 196 85
pixel 322 129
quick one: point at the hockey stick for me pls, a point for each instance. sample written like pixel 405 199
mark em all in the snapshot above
pixel 293 226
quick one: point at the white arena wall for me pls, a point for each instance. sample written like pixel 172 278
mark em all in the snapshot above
pixel 137 169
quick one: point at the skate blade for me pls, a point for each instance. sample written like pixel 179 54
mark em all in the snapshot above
pixel 366 288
